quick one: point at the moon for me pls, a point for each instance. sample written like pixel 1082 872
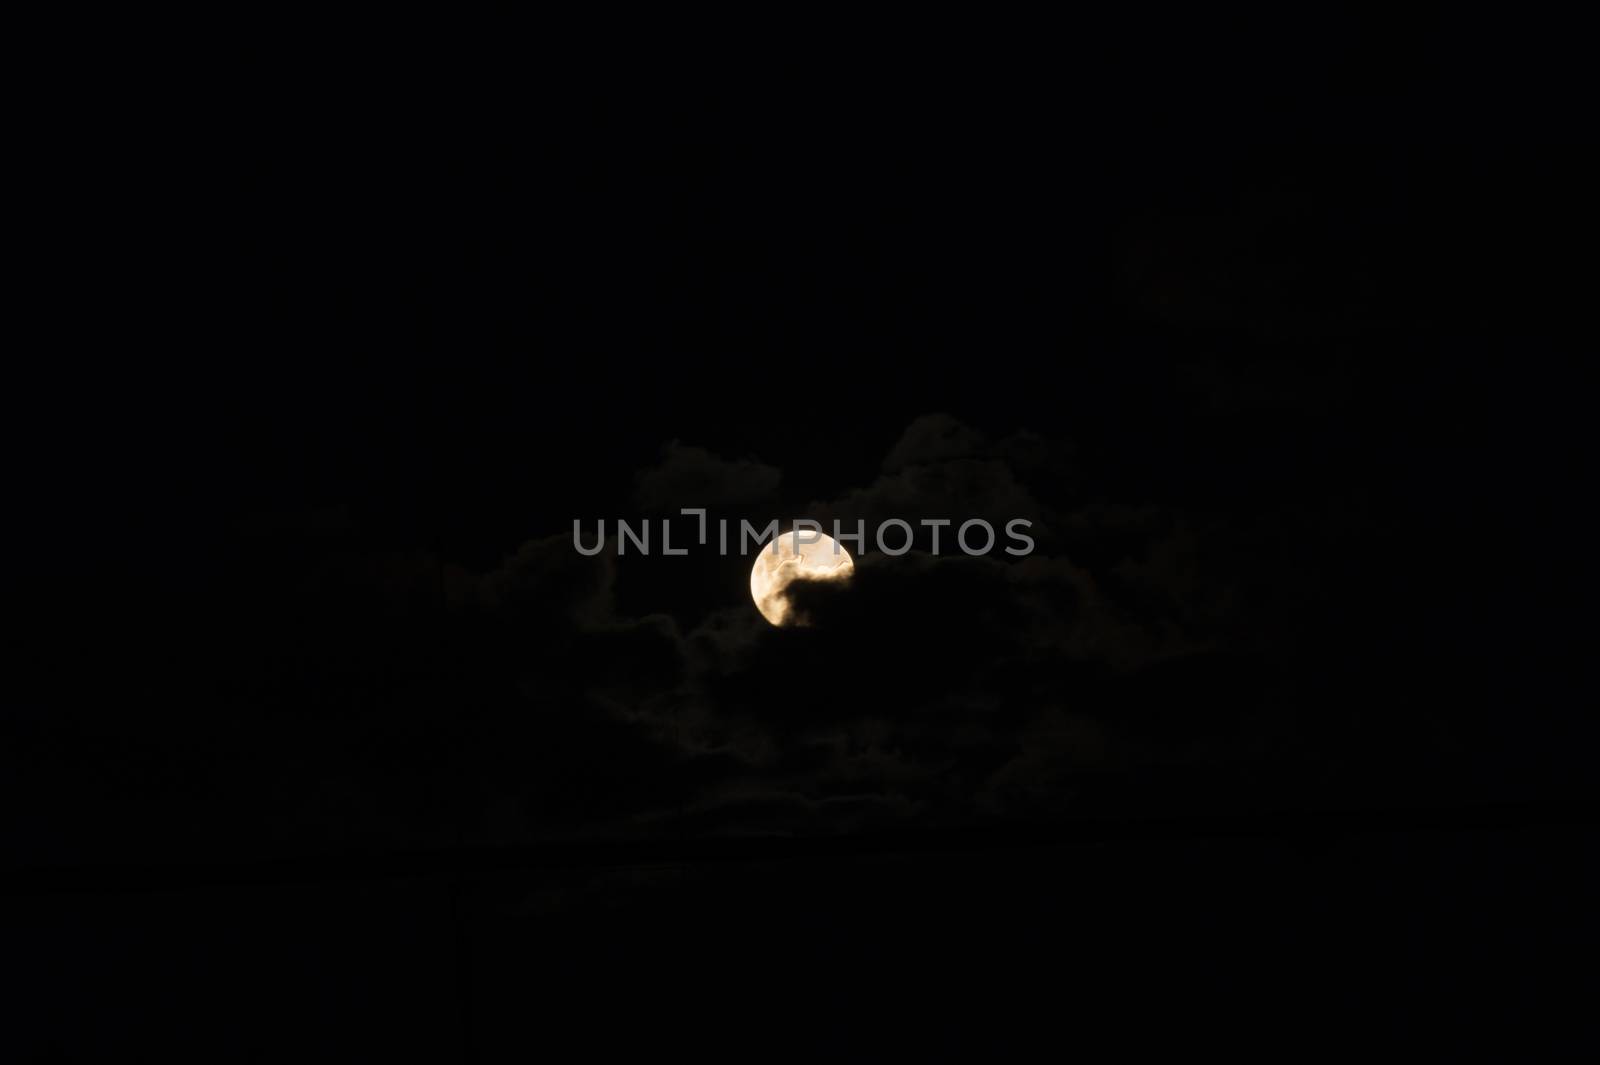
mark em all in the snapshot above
pixel 778 564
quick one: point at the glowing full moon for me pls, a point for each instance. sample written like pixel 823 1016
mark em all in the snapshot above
pixel 822 559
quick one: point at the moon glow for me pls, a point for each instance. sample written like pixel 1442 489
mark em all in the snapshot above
pixel 778 565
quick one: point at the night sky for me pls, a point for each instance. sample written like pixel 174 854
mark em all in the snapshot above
pixel 323 741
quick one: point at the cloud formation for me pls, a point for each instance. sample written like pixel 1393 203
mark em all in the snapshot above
pixel 554 693
pixel 688 475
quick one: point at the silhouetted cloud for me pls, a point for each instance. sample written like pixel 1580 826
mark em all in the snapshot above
pixel 689 476
pixel 931 438
pixel 530 701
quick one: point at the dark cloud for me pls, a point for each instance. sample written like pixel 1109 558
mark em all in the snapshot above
pixel 542 696
pixel 932 688
pixel 952 687
pixel 955 489
pixel 911 699
pixel 932 438
pixel 689 476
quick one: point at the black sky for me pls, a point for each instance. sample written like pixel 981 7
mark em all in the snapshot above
pixel 1274 330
